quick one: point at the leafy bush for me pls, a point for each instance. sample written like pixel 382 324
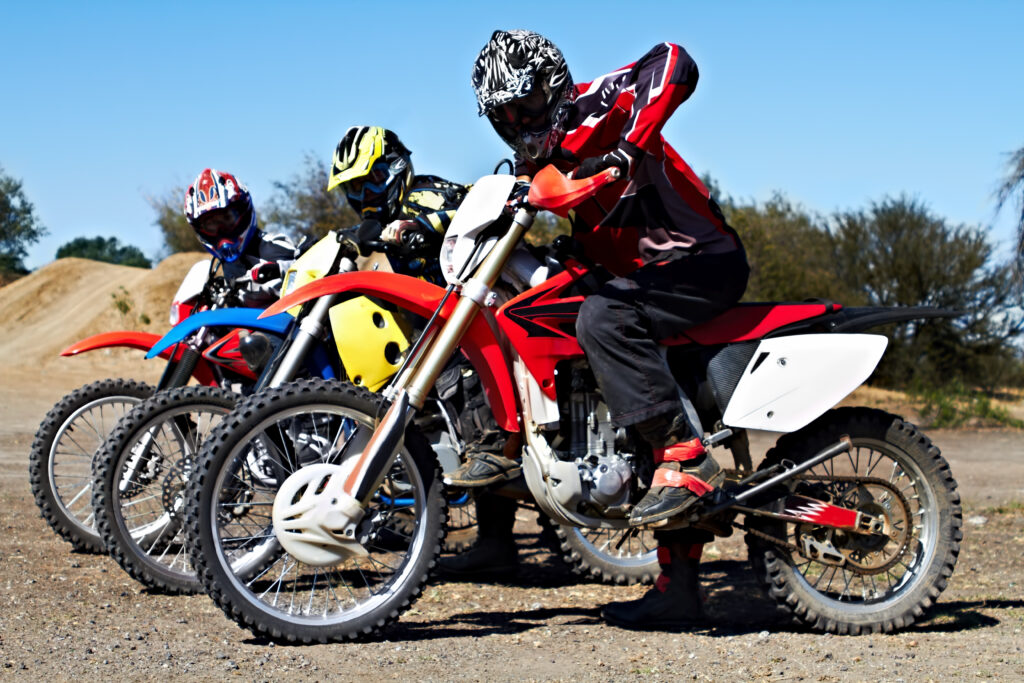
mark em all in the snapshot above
pixel 954 405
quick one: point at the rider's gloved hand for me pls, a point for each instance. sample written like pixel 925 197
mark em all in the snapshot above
pixel 519 193
pixel 265 272
pixel 411 236
pixel 618 158
pixel 366 234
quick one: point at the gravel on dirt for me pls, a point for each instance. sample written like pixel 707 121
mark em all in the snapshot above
pixel 65 615
pixel 74 616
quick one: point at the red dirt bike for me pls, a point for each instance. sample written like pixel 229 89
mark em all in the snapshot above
pixel 853 521
pixel 60 461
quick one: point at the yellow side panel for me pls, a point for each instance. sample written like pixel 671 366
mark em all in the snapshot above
pixel 371 341
pixel 312 265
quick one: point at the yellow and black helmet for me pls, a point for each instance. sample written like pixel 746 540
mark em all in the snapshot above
pixel 373 167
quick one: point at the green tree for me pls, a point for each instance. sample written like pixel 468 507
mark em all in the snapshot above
pixel 170 218
pixel 897 253
pixel 106 249
pixel 302 206
pixel 789 252
pixel 19 226
pixel 1012 190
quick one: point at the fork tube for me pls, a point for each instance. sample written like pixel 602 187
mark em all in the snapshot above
pixel 465 310
pixel 312 329
pixel 382 449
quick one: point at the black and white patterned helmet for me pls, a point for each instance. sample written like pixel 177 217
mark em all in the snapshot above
pixel 513 65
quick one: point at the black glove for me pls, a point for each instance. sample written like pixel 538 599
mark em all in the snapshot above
pixel 410 236
pixel 265 272
pixel 368 235
pixel 614 159
pixel 519 193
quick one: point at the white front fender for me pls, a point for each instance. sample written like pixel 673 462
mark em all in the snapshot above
pixel 789 381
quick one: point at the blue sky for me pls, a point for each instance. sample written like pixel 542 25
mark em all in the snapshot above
pixel 834 103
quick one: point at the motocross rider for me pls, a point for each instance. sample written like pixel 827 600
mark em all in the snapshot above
pixel 374 169
pixel 675 262
pixel 219 208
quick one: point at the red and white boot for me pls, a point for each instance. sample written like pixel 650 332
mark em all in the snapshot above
pixel 685 473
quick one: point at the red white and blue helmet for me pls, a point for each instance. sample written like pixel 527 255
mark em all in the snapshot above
pixel 220 210
pixel 524 88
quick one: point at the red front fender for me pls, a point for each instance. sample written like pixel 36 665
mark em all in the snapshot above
pixel 127 338
pixel 419 297
pixel 143 341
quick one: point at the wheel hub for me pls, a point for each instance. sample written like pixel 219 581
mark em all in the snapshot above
pixel 315 519
pixel 863 553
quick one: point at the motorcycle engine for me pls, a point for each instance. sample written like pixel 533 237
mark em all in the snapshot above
pixel 602 454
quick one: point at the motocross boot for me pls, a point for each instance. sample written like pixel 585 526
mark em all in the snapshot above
pixel 685 471
pixel 495 553
pixel 487 448
pixel 483 468
pixel 674 601
pixel 490 556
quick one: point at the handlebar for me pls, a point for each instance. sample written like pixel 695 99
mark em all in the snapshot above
pixel 366 238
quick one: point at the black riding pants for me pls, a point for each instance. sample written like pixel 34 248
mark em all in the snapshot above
pixel 619 327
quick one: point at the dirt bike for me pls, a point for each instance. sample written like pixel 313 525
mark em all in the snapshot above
pixel 139 472
pixel 138 512
pixel 853 520
pixel 61 456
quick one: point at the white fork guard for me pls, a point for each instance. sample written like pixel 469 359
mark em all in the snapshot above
pixel 790 381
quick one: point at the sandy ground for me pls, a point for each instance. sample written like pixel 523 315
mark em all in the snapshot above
pixel 66 615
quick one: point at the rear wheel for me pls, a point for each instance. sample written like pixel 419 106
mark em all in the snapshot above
pixel 272 440
pixel 60 462
pixel 462 524
pixel 139 480
pixel 615 556
pixel 848 582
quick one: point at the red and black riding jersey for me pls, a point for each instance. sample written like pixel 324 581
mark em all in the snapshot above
pixel 662 210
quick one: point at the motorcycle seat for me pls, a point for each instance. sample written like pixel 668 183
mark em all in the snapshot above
pixel 750 321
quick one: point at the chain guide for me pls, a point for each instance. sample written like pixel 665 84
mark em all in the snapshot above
pixel 861 553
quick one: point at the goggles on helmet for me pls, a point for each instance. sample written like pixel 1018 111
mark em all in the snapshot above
pixel 223 223
pixel 371 185
pixel 524 114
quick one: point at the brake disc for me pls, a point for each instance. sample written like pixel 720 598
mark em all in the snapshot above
pixel 173 486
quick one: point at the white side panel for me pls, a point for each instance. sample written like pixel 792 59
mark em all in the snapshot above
pixel 792 380
pixel 537 407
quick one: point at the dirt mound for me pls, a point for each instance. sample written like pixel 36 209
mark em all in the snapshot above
pixel 43 313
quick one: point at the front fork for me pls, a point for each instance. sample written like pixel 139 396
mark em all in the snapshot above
pixel 410 389
pixel 312 330
pixel 177 373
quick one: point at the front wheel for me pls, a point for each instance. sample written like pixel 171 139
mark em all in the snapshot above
pixel 259 452
pixel 844 582
pixel 139 479
pixel 60 462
